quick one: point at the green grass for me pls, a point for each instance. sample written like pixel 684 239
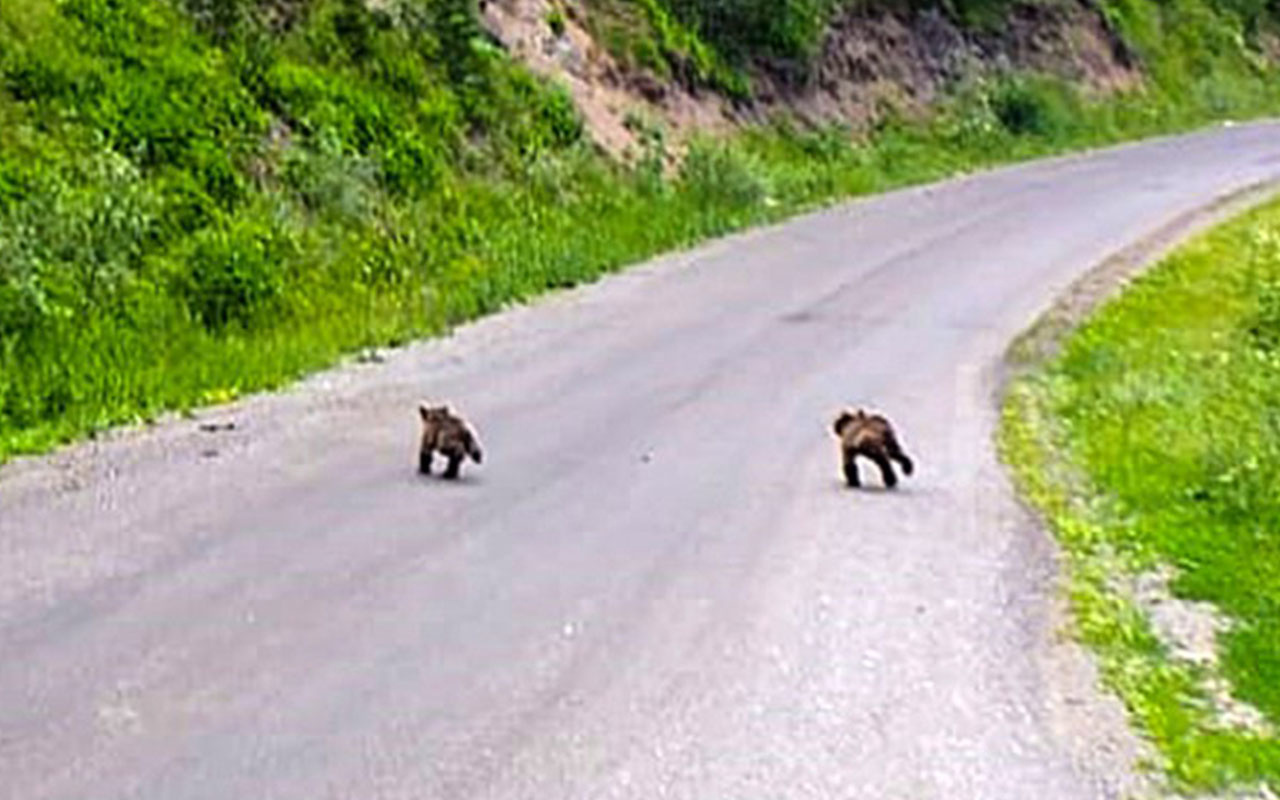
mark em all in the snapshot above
pixel 1153 438
pixel 201 198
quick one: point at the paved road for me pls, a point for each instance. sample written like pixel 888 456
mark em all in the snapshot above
pixel 654 587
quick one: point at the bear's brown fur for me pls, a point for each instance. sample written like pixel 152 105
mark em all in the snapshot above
pixel 445 433
pixel 870 436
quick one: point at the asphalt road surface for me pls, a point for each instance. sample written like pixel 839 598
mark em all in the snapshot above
pixel 655 586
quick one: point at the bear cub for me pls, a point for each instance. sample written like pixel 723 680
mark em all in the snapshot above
pixel 445 433
pixel 870 436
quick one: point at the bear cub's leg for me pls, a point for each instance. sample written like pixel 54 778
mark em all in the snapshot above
pixel 851 470
pixel 886 470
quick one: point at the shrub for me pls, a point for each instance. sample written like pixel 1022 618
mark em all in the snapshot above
pixel 717 174
pixel 235 271
pixel 746 29
pixel 556 22
pixel 1032 107
pixel 72 241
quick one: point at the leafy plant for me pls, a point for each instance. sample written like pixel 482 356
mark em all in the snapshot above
pixel 235 272
pixel 556 22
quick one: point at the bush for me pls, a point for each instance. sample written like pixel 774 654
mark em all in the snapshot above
pixel 23 302
pixel 747 29
pixel 73 241
pixel 1031 107
pixel 647 34
pixel 718 175
pixel 330 182
pixel 234 272
pixel 556 22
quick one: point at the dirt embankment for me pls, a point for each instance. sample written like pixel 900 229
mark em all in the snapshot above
pixel 871 61
pixel 875 60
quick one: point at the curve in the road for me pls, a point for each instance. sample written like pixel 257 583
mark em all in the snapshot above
pixel 655 586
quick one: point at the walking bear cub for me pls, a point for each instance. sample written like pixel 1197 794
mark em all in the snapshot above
pixel 870 436
pixel 445 433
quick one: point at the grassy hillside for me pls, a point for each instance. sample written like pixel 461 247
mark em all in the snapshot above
pixel 1153 442
pixel 205 197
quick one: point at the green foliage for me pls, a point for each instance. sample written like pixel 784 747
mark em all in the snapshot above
pixel 1263 323
pixel 717 175
pixel 144 83
pixel 1185 45
pixel 745 29
pixel 234 272
pixel 556 22
pixel 180 182
pixel 786 35
pixel 72 242
pixel 647 34
pixel 1165 406
pixel 205 197
pixel 1027 106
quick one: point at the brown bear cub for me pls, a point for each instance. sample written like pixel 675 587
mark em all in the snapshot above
pixel 870 436
pixel 445 433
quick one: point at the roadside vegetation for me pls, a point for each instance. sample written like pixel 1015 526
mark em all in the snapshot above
pixel 200 198
pixel 1151 443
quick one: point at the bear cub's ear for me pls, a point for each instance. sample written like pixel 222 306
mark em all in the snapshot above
pixel 842 422
pixel 429 412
